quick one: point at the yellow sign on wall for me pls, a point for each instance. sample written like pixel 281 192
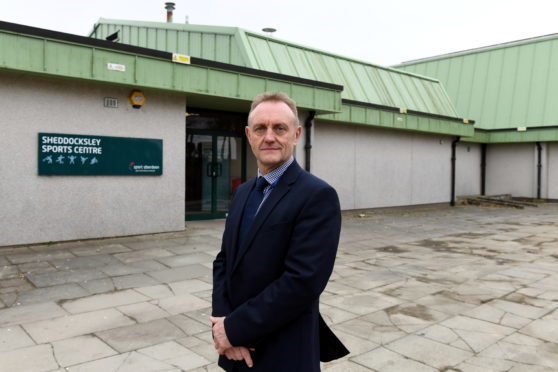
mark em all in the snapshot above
pixel 181 58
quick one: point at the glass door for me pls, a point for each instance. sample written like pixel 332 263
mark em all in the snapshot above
pixel 213 172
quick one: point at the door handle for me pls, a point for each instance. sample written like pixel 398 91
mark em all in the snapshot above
pixel 214 170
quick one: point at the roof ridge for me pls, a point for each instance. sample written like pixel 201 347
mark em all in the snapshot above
pixel 231 30
pixel 165 25
pixel 506 44
pixel 309 48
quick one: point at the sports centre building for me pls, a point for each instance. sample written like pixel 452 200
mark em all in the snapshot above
pixel 139 127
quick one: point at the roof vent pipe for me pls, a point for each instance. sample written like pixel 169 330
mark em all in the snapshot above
pixel 269 30
pixel 169 7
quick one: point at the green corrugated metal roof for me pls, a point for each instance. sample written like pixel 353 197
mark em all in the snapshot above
pixel 509 85
pixel 37 51
pixel 363 82
pixel 214 43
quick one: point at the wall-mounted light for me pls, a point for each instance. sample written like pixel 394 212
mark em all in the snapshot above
pixel 137 99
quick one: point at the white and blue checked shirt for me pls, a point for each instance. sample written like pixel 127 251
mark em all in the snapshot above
pixel 272 178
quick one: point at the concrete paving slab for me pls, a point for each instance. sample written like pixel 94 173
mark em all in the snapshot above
pixel 37 358
pixel 99 250
pixel 522 310
pixel 121 269
pixel 141 335
pixel 480 364
pixel 189 286
pixel 7 272
pixel 333 315
pixel 143 312
pixel 20 258
pixel 356 344
pixel 14 338
pixel 181 304
pixel 544 329
pixel 476 334
pixel 206 350
pixel 380 332
pixel 75 325
pixel 30 313
pixel 17 284
pixel 382 359
pixel 181 273
pixel 434 354
pixel 103 301
pixel 201 315
pixel 362 303
pixel 36 267
pixel 344 366
pixel 144 254
pixel 98 286
pixel 126 362
pixel 497 316
pixel 48 294
pixel 81 263
pixel 188 325
pixel 133 281
pixel 78 350
pixel 176 355
pixel 186 259
pixel 524 350
pixel 155 291
pixel 62 277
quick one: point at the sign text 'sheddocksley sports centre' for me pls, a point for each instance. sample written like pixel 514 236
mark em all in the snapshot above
pixel 72 154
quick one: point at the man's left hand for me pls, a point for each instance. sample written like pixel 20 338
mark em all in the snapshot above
pixel 219 334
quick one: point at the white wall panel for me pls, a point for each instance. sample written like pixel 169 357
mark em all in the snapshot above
pixel 511 169
pixel 373 167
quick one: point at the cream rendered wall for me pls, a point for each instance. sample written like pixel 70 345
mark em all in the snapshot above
pixel 511 169
pixel 468 169
pixel 371 167
pixel 37 208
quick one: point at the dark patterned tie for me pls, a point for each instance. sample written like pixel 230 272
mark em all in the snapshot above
pixel 251 207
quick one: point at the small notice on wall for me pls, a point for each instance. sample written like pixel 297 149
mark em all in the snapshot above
pixel 73 154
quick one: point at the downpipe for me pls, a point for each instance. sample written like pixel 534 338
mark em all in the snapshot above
pixel 539 169
pixel 308 139
pixel 453 157
pixel 483 169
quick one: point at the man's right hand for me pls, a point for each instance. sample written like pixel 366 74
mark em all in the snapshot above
pixel 239 353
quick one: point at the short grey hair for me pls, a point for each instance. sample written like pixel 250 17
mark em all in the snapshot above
pixel 274 97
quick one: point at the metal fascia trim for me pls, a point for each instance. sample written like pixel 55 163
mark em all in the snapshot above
pixel 398 110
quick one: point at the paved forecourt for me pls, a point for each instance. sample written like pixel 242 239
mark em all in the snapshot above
pixel 419 289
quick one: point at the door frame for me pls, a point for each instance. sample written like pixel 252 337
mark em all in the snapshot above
pixel 213 213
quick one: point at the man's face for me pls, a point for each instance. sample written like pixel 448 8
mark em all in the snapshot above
pixel 272 134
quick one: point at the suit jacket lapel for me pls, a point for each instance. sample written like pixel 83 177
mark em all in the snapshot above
pixel 283 187
pixel 235 219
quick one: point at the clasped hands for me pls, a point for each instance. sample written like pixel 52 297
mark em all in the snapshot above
pixel 224 347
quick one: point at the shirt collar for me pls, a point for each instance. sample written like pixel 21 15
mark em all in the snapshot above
pixel 273 177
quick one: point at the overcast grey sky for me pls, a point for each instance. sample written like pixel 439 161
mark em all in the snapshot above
pixel 382 32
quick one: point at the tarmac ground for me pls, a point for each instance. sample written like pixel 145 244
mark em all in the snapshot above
pixel 422 289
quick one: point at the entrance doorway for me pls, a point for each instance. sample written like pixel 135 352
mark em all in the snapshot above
pixel 215 162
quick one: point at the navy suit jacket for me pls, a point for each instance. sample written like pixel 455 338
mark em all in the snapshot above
pixel 268 288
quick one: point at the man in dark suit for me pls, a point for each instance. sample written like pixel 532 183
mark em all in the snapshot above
pixel 277 254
